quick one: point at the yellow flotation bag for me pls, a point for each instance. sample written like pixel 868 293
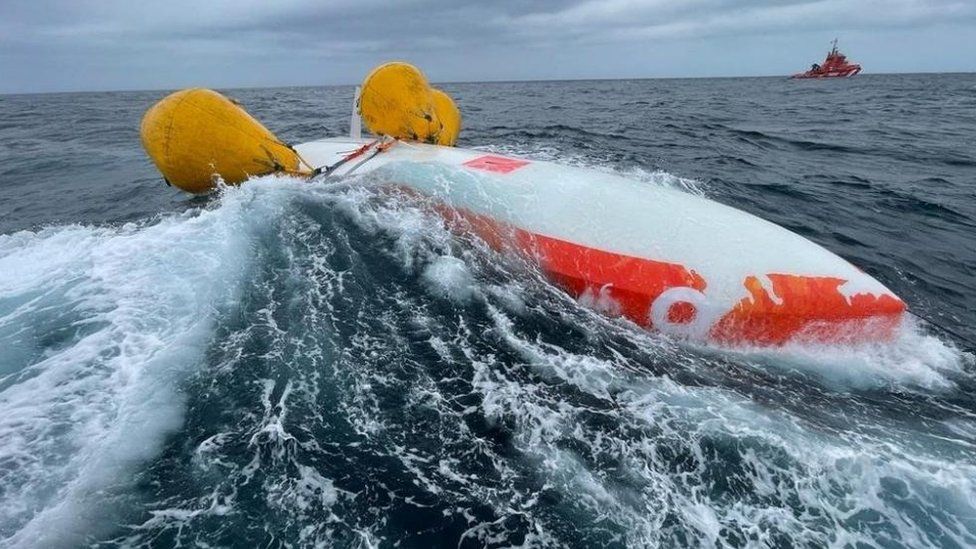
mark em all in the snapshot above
pixel 397 100
pixel 195 135
pixel 449 116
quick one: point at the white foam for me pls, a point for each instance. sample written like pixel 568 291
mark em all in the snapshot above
pixel 668 442
pixel 796 470
pixel 78 419
pixel 664 439
pixel 911 360
pixel 600 300
pixel 449 277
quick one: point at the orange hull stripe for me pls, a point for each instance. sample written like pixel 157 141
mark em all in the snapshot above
pixel 806 308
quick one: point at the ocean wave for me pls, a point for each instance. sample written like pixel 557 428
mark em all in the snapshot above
pixel 327 364
pixel 102 325
pixel 385 379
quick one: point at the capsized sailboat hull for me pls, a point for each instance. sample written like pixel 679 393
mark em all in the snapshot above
pixel 666 259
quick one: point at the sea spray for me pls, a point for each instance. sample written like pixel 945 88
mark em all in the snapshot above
pixel 106 323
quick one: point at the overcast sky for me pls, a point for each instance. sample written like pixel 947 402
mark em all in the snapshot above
pixel 59 45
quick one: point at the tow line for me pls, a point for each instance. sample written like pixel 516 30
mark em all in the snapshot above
pixel 374 148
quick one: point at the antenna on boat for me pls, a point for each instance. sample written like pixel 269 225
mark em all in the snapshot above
pixel 834 48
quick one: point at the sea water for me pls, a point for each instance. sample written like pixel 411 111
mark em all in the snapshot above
pixel 288 364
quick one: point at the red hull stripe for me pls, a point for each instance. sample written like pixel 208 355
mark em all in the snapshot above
pixel 804 308
pixel 497 164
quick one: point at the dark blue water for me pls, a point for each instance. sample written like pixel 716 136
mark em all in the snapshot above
pixel 291 365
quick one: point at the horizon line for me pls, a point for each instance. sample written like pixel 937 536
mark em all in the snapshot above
pixel 505 81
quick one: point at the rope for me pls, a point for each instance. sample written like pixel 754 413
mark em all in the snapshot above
pixel 380 148
pixel 382 144
pixel 327 170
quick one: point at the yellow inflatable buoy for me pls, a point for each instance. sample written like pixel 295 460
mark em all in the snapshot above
pixel 195 135
pixel 396 100
pixel 449 117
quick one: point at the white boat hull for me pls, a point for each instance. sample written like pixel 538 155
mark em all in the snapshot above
pixel 666 259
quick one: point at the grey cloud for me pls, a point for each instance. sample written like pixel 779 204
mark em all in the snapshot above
pixel 64 44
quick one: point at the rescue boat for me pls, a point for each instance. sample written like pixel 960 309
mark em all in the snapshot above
pixel 834 66
pixel 665 259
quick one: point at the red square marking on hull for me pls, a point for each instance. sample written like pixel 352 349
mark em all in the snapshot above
pixel 494 163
